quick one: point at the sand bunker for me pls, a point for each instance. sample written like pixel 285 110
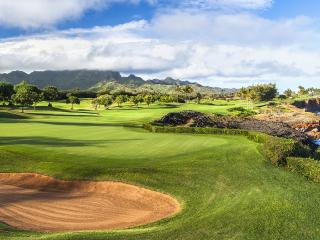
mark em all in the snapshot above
pixel 41 203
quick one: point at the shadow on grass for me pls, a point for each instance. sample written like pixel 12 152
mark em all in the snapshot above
pixel 65 115
pixel 58 142
pixel 151 107
pixel 12 115
pixel 135 125
pixel 84 124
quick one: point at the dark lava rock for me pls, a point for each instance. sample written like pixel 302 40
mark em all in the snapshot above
pixel 184 117
pixel 311 105
pixel 198 119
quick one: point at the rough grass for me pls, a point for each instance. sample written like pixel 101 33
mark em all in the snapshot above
pixel 227 189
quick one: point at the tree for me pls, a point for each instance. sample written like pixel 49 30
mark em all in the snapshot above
pixel 73 100
pixel 188 90
pixel 282 97
pixel 6 91
pixel 26 95
pixel 178 90
pixel 50 94
pixel 311 91
pixel 243 92
pixel 198 97
pixel 166 99
pixel 136 100
pixel 149 99
pixel 36 97
pixel 104 100
pixel 120 99
pixel 288 92
pixel 260 92
pixel 302 91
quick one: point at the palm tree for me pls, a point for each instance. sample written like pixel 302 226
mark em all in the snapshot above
pixel 178 90
pixel 188 90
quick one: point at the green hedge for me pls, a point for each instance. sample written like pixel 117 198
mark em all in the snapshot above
pixel 275 149
pixel 196 130
pixel 308 167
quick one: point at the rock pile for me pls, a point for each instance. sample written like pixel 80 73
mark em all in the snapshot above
pixel 198 119
pixel 311 129
pixel 310 105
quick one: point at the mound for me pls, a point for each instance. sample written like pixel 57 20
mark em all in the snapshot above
pixel 192 118
pixel 40 203
pixel 198 119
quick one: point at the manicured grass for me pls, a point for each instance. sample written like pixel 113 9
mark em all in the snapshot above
pixel 227 189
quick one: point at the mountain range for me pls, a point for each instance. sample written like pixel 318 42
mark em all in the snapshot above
pixel 101 80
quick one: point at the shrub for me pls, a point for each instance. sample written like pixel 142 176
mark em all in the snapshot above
pixel 241 112
pixel 308 167
pixel 277 150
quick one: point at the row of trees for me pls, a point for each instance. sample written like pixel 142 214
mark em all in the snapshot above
pixel 302 91
pixel 24 95
pixel 267 92
pixel 260 92
pixel 107 100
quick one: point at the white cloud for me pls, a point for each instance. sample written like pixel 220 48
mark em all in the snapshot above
pixel 240 4
pixel 241 28
pixel 46 13
pixel 32 14
pixel 210 47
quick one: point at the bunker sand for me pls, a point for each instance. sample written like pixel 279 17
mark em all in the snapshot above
pixel 41 203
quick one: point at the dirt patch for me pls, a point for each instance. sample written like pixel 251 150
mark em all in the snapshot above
pixel 292 115
pixel 41 203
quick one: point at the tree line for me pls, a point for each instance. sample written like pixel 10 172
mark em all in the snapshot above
pixel 26 95
pixel 259 92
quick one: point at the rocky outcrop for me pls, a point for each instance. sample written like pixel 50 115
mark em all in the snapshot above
pixel 198 119
pixel 312 129
pixel 311 105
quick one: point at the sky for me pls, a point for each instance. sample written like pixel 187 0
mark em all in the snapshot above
pixel 223 43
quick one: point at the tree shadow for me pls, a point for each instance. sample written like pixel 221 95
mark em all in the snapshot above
pixel 84 124
pixel 80 124
pixel 152 107
pixel 64 115
pixel 58 142
pixel 12 115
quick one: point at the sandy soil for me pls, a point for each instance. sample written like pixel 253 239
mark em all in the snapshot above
pixel 293 116
pixel 41 203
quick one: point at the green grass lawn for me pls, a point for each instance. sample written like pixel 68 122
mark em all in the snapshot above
pixel 227 189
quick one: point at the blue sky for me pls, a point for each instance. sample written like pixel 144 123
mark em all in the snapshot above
pixel 226 43
pixel 120 13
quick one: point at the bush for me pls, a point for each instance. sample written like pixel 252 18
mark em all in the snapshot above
pixel 277 150
pixel 241 112
pixel 308 167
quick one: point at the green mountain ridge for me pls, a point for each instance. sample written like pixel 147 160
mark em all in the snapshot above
pixel 98 79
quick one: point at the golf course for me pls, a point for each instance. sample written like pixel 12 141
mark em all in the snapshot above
pixel 225 188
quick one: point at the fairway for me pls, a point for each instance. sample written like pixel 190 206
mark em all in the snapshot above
pixel 226 189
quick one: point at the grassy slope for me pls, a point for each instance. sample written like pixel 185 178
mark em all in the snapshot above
pixel 228 190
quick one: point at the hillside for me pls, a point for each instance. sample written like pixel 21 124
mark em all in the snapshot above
pixel 97 80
